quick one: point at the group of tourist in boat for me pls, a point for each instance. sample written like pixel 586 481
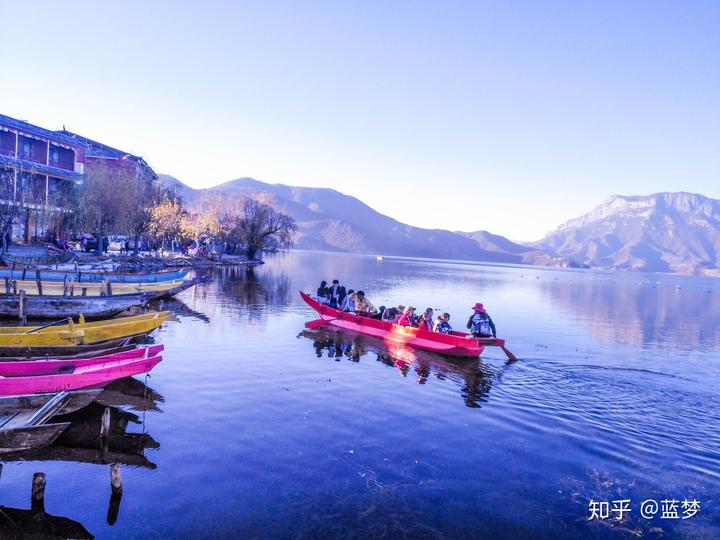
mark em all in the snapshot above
pixel 480 324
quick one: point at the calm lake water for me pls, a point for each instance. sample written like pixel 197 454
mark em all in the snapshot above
pixel 254 427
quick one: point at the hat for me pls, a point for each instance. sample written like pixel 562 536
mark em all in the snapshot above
pixel 479 307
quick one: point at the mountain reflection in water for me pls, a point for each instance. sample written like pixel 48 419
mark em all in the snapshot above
pixel 473 378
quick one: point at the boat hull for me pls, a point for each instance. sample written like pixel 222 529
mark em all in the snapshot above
pixel 95 376
pixel 55 307
pixel 92 277
pixel 69 335
pixel 448 345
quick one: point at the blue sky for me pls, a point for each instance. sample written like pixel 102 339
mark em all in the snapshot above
pixel 508 116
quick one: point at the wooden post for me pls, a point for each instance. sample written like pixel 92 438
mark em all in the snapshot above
pixel 109 288
pixel 105 435
pixel 14 284
pixel 37 501
pixel 84 291
pixel 65 285
pixel 7 286
pixel 39 283
pixel 105 424
pixel 115 479
pixel 23 274
pixel 21 306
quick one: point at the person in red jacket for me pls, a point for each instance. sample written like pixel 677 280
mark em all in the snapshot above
pixel 408 317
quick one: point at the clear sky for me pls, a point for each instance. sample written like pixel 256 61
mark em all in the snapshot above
pixel 508 116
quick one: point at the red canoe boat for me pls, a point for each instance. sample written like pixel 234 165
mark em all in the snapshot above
pixel 455 344
pixel 82 376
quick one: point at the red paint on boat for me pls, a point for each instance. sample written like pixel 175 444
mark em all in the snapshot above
pixel 455 344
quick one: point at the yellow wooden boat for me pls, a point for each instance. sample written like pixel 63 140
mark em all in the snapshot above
pixel 91 289
pixel 81 332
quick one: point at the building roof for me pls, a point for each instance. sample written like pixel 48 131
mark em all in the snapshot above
pixel 39 168
pixel 32 129
pixel 94 149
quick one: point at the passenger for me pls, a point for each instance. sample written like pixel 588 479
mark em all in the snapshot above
pixel 399 313
pixel 348 303
pixel 480 324
pixel 442 325
pixel 408 317
pixel 363 306
pixel 323 293
pixel 426 320
pixel 380 314
pixel 336 294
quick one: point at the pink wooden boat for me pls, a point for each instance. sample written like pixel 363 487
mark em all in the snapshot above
pixel 86 376
pixel 51 366
pixel 455 344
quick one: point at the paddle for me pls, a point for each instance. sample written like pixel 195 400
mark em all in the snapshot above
pixel 61 321
pixel 313 325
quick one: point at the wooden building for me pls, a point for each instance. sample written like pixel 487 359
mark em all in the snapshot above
pixel 37 170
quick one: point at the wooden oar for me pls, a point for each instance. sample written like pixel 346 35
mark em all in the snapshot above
pixel 61 321
pixel 313 325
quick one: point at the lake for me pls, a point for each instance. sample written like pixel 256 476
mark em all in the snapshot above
pixel 254 427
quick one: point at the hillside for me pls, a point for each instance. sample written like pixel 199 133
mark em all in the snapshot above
pixel 329 220
pixel 662 232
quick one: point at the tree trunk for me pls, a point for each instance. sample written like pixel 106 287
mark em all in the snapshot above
pixel 137 242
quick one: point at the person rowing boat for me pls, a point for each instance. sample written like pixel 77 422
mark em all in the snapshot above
pixel 480 324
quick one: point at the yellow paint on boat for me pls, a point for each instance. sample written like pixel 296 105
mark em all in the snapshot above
pixel 93 289
pixel 81 332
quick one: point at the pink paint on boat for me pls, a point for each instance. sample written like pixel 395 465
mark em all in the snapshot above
pixel 32 368
pixel 455 344
pixel 94 376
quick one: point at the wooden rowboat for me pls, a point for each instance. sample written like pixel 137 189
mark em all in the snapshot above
pixel 56 258
pixel 455 344
pixel 23 419
pixel 72 334
pixel 9 354
pixel 93 277
pixel 89 376
pixel 52 366
pixel 58 306
pixel 71 288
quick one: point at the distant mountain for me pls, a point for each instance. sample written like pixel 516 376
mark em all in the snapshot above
pixel 662 232
pixel 329 220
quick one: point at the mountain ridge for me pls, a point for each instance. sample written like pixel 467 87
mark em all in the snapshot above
pixel 329 220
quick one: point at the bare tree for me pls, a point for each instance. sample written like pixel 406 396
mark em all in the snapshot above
pixel 103 201
pixel 263 227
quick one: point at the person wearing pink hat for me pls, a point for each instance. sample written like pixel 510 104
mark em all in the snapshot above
pixel 480 324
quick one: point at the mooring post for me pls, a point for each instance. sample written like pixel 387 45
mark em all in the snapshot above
pixel 109 288
pixel 21 306
pixel 39 283
pixel 84 291
pixel 105 434
pixel 14 284
pixel 37 502
pixel 65 285
pixel 115 479
pixel 7 286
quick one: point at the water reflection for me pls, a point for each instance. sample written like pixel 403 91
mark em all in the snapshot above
pixel 473 378
pixel 82 441
pixel 35 523
pixel 641 312
pixel 253 292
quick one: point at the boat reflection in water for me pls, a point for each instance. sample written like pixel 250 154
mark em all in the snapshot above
pixel 82 441
pixel 473 377
pixel 97 433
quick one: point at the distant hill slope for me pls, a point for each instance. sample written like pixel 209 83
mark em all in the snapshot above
pixel 662 232
pixel 329 220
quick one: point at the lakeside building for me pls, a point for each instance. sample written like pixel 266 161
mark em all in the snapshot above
pixel 39 169
pixel 98 155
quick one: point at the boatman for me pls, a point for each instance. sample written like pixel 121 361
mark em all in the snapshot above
pixel 480 324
